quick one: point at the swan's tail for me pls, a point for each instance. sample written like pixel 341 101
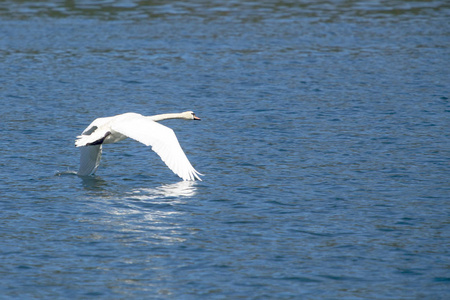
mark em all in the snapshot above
pixel 81 141
pixel 91 140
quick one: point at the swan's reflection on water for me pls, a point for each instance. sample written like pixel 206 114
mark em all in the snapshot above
pixel 149 215
pixel 94 183
pixel 183 189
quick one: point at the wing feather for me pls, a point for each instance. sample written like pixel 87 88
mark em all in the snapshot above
pixel 89 159
pixel 163 141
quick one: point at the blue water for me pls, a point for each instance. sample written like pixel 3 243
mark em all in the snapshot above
pixel 324 142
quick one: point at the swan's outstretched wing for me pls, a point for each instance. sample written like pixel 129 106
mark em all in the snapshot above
pixel 163 141
pixel 89 159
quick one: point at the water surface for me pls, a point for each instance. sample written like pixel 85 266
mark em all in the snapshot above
pixel 324 142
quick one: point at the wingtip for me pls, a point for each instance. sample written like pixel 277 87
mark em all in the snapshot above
pixel 191 176
pixel 196 175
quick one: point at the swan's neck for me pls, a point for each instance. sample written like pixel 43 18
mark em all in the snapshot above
pixel 162 117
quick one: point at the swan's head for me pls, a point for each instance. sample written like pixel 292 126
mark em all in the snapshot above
pixel 189 115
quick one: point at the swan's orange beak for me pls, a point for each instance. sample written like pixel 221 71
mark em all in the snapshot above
pixel 196 118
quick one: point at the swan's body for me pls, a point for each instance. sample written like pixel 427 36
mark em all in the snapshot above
pixel 142 129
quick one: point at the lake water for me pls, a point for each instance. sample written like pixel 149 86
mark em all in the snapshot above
pixel 324 142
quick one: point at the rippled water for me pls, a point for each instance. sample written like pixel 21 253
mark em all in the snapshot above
pixel 324 142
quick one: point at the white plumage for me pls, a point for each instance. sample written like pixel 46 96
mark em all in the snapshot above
pixel 141 128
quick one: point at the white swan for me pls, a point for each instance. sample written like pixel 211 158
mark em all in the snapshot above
pixel 142 129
